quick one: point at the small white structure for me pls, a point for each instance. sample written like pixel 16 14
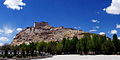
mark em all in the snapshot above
pixel 2 52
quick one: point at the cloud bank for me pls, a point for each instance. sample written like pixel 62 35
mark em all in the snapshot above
pixel 14 4
pixel 7 33
pixel 102 33
pixel 6 30
pixel 3 39
pixel 19 29
pixel 113 32
pixel 1 44
pixel 117 25
pixel 96 27
pixel 93 30
pixel 95 21
pixel 114 8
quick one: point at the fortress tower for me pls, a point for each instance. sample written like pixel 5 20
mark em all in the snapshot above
pixel 40 24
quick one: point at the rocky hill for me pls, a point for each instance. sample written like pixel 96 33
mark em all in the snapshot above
pixel 42 31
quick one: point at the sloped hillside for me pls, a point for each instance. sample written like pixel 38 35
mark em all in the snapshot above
pixel 42 31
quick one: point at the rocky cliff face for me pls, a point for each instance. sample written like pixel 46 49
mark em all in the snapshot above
pixel 42 31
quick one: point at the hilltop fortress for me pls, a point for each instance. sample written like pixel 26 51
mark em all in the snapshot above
pixel 42 31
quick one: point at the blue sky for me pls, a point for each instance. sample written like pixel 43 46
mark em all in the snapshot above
pixel 95 16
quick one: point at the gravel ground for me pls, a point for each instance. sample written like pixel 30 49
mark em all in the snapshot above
pixel 83 57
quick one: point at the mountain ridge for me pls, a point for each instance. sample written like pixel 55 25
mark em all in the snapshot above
pixel 42 31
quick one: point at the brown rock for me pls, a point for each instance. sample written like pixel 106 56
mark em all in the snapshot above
pixel 42 31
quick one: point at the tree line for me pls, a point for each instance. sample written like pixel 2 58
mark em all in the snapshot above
pixel 88 44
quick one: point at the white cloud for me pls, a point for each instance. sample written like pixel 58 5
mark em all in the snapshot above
pixel 19 29
pixel 1 44
pixel 95 21
pixel 77 27
pixel 14 4
pixel 3 39
pixel 118 37
pixel 117 25
pixel 102 33
pixel 14 36
pixel 93 30
pixel 7 30
pixel 97 27
pixel 114 8
pixel 98 12
pixel 113 32
pixel 1 31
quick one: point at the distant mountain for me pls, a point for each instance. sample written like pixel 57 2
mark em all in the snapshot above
pixel 42 31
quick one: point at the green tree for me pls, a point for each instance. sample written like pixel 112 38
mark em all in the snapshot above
pixel 90 43
pixel 15 49
pixel 97 43
pixel 108 47
pixel 73 43
pixel 67 46
pixel 116 43
pixel 6 47
pixel 59 48
pixel 51 47
pixel 84 45
pixel 27 50
pixel 63 43
pixel 79 47
pixel 41 46
pixel 23 49
pixel 32 48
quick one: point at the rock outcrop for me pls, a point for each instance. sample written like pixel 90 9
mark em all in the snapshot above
pixel 42 31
